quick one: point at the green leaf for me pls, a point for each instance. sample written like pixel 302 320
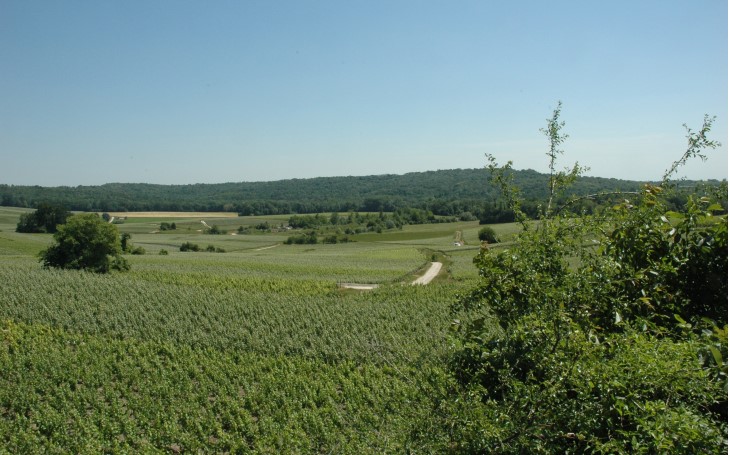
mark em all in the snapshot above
pixel 716 355
pixel 715 208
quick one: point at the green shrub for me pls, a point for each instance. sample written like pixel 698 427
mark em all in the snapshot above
pixel 215 230
pixel 188 246
pixel 612 347
pixel 487 234
pixel 309 238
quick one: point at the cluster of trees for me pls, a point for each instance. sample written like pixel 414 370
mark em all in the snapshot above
pixel 311 238
pixel 369 221
pixel 601 333
pixel 194 247
pixel 83 241
pixel 46 218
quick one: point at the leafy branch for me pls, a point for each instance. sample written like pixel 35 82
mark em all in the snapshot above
pixel 696 143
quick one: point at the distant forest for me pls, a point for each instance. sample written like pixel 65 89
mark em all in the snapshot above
pixel 465 193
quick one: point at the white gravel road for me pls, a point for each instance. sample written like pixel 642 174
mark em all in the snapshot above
pixel 430 274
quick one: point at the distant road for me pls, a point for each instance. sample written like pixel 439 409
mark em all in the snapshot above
pixel 429 275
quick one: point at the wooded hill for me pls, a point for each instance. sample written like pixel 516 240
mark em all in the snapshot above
pixel 444 192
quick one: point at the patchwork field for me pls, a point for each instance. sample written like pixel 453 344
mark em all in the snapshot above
pixel 253 350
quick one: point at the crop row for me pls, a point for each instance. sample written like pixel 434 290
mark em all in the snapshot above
pixel 69 393
pixel 264 315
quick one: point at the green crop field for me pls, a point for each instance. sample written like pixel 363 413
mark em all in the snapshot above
pixel 253 350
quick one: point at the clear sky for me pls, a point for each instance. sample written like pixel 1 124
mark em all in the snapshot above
pixel 98 91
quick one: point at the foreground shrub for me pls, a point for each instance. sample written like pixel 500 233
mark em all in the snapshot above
pixel 597 334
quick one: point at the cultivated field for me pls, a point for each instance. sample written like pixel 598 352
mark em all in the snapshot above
pixel 173 214
pixel 253 350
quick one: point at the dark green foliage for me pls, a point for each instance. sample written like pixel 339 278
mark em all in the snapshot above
pixel 335 238
pixel 127 246
pixel 467 216
pixel 124 242
pixel 487 234
pixel 309 238
pixel 670 263
pixel 368 222
pixel 165 226
pixel 188 246
pixel 85 242
pixel 597 334
pixel 215 230
pixel 263 226
pixel 445 193
pixel 46 218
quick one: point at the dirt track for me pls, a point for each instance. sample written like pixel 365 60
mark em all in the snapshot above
pixel 429 275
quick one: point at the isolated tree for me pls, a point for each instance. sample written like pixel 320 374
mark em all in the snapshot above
pixel 85 242
pixel 487 234
pixel 124 242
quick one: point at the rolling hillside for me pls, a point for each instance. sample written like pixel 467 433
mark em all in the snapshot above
pixel 444 192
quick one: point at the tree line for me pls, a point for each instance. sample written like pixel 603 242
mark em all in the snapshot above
pixel 445 193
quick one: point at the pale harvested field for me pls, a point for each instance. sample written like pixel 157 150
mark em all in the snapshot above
pixel 174 214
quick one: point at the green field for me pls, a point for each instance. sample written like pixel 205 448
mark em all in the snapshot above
pixel 252 350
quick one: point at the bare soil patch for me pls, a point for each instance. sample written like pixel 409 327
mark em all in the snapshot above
pixel 358 286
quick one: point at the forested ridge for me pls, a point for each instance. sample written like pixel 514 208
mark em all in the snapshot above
pixel 444 192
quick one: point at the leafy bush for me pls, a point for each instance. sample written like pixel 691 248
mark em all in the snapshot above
pixel 487 234
pixel 215 230
pixel 606 327
pixel 309 238
pixel 188 246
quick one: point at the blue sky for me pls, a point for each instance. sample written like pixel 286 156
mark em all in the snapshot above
pixel 203 92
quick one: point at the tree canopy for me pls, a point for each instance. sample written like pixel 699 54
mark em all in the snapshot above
pixel 443 192
pixel 85 242
pixel 44 219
